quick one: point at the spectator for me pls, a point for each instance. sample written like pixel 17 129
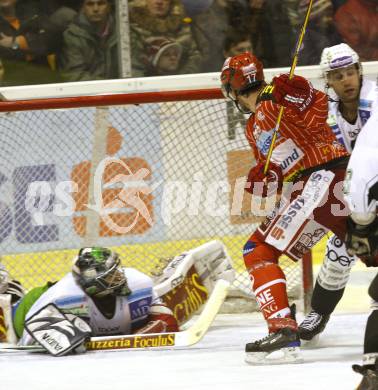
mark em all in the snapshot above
pixel 26 39
pixel 255 27
pixel 320 33
pixel 162 57
pixel 357 23
pixel 278 33
pixel 62 17
pixel 195 7
pixel 156 18
pixel 210 27
pixel 235 43
pixel 90 44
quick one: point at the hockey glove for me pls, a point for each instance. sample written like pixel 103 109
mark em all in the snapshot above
pixel 58 333
pixel 296 93
pixel 264 185
pixel 362 241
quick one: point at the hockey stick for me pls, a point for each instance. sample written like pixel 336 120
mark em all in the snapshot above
pixel 282 108
pixel 188 337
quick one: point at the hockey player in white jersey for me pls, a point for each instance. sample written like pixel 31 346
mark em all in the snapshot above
pixel 353 99
pixel 99 297
pixel 361 193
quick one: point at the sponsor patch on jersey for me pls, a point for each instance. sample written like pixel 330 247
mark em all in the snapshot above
pixel 264 140
pixel 70 301
pixel 309 236
pixel 364 103
pixel 248 247
pixel 139 303
pixel 300 210
pixel 287 155
pixel 341 62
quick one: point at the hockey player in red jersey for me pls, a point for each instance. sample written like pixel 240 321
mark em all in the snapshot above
pixel 307 154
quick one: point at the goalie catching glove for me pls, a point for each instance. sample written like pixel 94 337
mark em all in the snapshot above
pixel 296 93
pixel 57 332
pixel 264 185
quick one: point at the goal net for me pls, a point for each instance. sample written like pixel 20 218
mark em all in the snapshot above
pixel 148 167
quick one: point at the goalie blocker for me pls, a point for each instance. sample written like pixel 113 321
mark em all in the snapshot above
pixel 58 333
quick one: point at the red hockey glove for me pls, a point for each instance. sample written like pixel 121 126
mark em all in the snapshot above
pixel 270 183
pixel 296 93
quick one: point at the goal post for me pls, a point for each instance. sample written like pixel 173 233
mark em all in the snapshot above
pixel 150 167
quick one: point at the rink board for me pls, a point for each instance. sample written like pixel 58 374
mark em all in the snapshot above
pixel 36 268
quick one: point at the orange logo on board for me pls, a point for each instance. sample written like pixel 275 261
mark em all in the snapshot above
pixel 122 194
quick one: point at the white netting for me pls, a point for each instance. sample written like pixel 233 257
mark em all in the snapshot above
pixel 181 159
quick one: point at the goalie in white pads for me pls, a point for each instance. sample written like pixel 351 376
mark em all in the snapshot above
pixel 99 297
pixel 353 99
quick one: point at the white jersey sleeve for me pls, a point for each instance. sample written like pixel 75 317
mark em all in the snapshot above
pixel 345 132
pixel 130 312
pixel 361 183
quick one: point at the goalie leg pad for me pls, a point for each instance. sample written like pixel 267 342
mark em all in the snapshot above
pixel 188 280
pixel 7 333
pixel 58 333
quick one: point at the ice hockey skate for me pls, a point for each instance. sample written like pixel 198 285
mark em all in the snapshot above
pixel 281 346
pixel 312 325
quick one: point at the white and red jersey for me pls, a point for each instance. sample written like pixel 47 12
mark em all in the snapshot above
pixel 304 140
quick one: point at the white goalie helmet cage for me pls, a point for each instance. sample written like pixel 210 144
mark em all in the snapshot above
pixel 338 56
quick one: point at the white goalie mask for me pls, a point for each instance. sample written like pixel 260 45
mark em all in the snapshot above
pixel 338 56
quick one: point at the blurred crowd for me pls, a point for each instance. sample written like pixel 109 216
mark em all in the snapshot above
pixel 44 41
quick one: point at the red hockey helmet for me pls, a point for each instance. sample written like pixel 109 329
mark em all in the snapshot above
pixel 240 74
